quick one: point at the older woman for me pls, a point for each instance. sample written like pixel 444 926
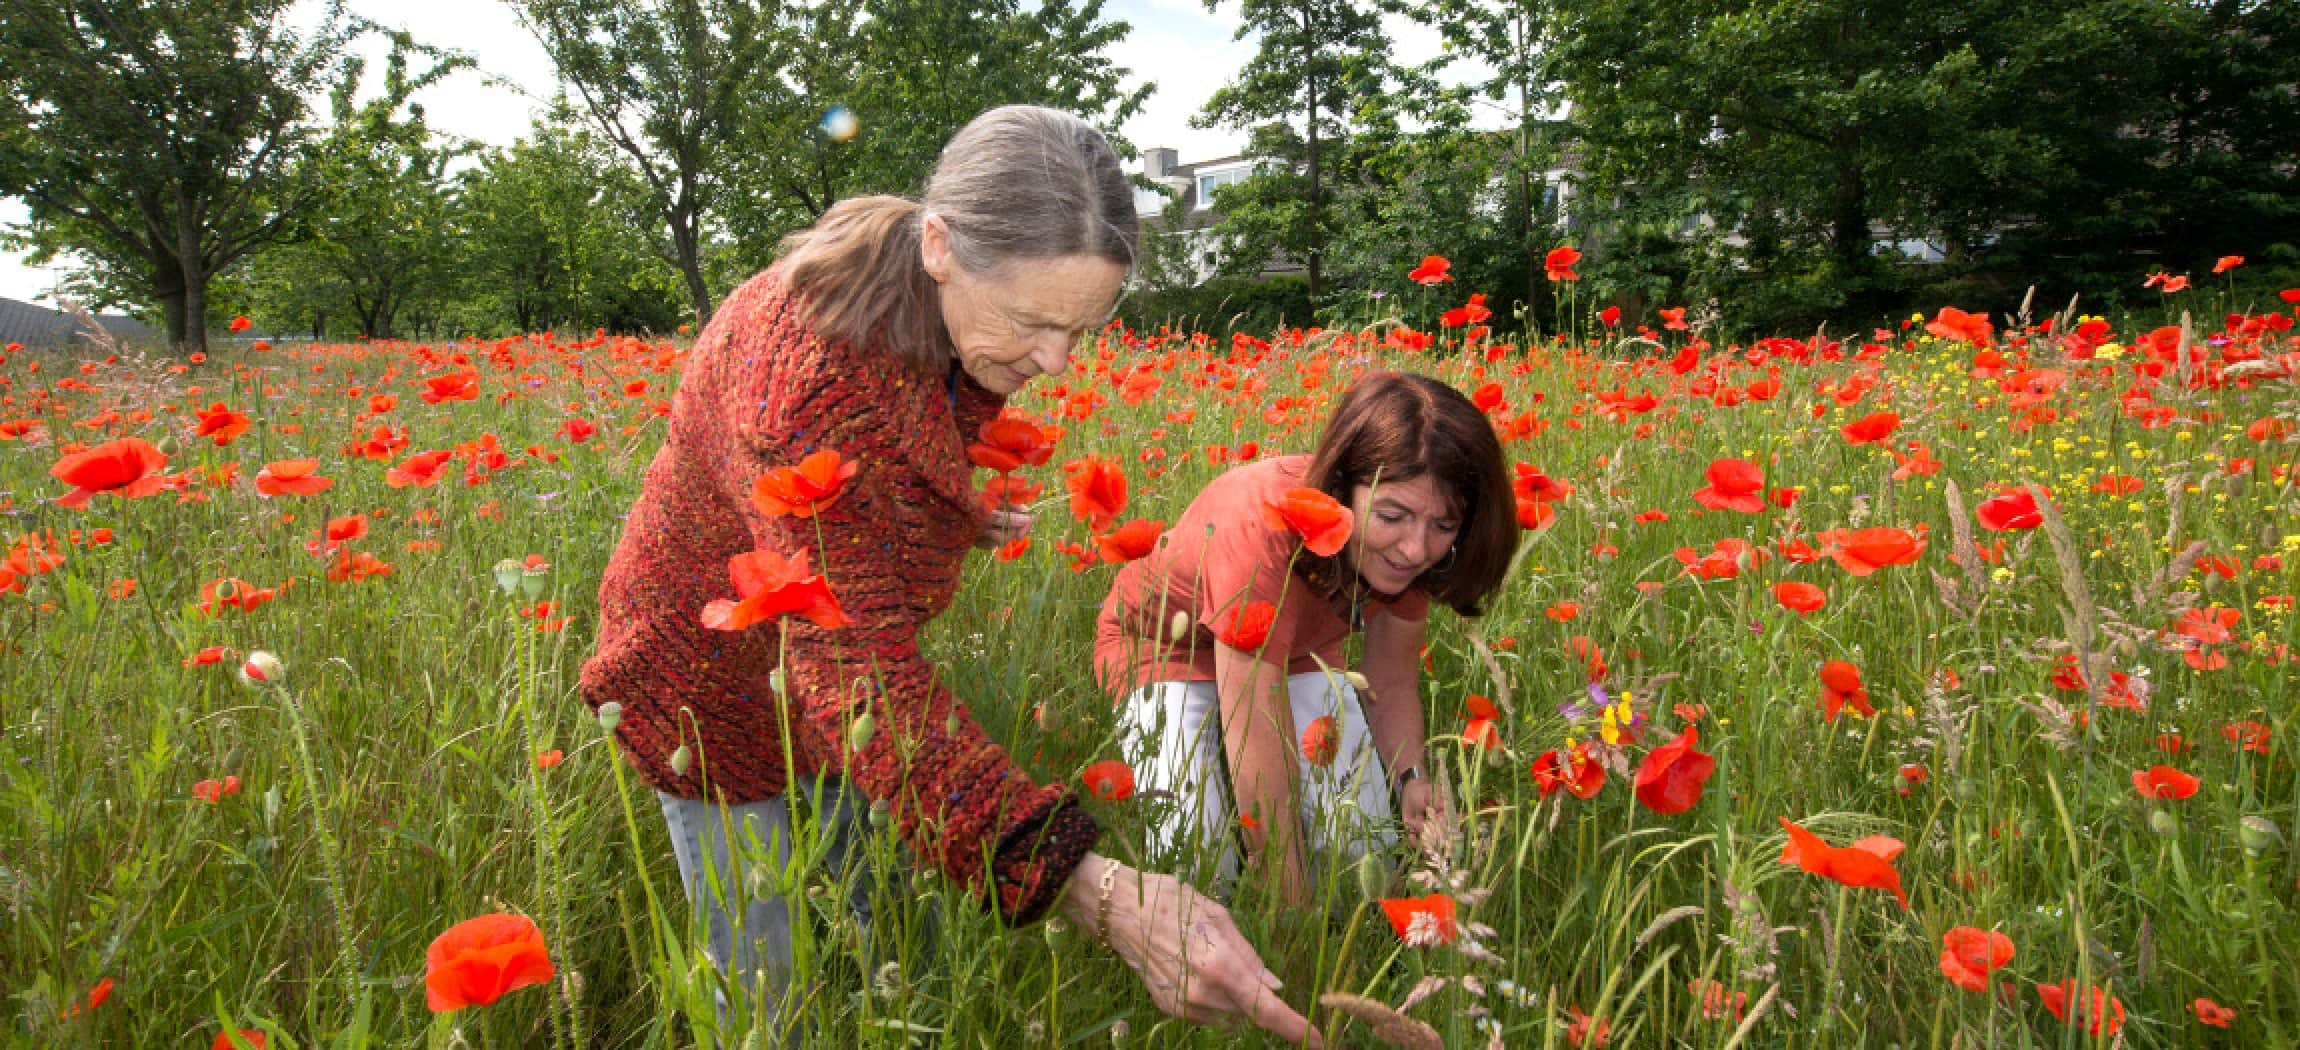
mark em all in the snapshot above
pixel 1244 725
pixel 886 334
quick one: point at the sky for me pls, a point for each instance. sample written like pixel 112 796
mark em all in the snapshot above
pixel 1177 45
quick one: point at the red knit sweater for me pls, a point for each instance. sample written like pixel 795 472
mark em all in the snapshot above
pixel 761 390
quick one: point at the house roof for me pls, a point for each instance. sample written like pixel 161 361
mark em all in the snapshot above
pixel 47 326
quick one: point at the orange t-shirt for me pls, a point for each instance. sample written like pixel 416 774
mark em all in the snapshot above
pixel 1223 554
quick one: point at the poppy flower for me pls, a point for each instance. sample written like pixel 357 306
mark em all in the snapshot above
pixel 1871 429
pixel 1841 687
pixel 292 477
pixel 2212 1013
pixel 1431 271
pixel 1097 490
pixel 1323 523
pixel 2226 263
pixel 1483 727
pixel 1864 551
pixel 2247 736
pixel 221 424
pixel 1008 444
pixel 214 791
pixel 1673 318
pixel 805 490
pixel 2164 782
pixel 1958 326
pixel 454 386
pixel 1609 316
pixel 769 586
pixel 1109 780
pixel 1670 779
pixel 1475 312
pixel 1563 612
pixel 422 470
pixel 1532 483
pixel 1007 490
pixel 1867 864
pixel 1587 1031
pixel 1800 597
pixel 1559 263
pixel 1717 1002
pixel 1246 627
pixel 1129 541
pixel 2014 509
pixel 1969 954
pixel 550 758
pixel 129 467
pixel 1321 741
pixel 209 656
pixel 477 961
pixel 1734 484
pixel 1579 774
pixel 248 1037
pixel 2103 1015
pixel 579 430
pixel 240 324
pixel 1422 922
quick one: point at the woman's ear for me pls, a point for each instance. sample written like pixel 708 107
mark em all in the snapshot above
pixel 934 247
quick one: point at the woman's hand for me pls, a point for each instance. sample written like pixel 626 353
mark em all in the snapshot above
pixel 1414 804
pixel 1189 955
pixel 1004 527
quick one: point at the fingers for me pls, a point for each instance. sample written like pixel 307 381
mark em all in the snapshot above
pixel 1271 1014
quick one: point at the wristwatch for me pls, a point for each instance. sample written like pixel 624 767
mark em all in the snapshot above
pixel 1408 775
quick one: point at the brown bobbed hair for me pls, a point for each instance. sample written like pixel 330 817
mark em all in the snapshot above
pixel 1396 426
pixel 1015 184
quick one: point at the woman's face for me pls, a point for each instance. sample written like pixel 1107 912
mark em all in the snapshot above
pixel 1010 328
pixel 1403 528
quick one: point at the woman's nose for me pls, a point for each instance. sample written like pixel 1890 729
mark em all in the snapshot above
pixel 1051 355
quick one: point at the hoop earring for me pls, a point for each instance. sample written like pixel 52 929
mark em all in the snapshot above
pixel 1445 565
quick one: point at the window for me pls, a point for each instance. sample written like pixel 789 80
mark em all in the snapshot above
pixel 1212 181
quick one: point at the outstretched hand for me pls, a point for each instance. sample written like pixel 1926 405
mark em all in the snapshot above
pixel 1185 948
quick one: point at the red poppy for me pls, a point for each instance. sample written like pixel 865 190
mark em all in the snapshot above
pixel 1559 264
pixel 2102 1015
pixel 1587 1031
pixel 1958 326
pixel 1871 429
pixel 1563 612
pixel 1864 551
pixel 292 477
pixel 1670 779
pixel 209 656
pixel 1109 780
pixel 1129 541
pixel 770 586
pixel 1531 483
pixel 1009 444
pixel 1734 484
pixel 2212 1013
pixel 1323 523
pixel 1969 954
pixel 130 468
pixel 1422 921
pixel 2226 263
pixel 422 470
pixel 2164 782
pixel 221 423
pixel 248 1037
pixel 1097 490
pixel 579 430
pixel 1246 627
pixel 240 324
pixel 1800 597
pixel 1610 316
pixel 805 490
pixel 550 758
pixel 1579 774
pixel 1474 312
pixel 1841 687
pixel 1431 271
pixel 2013 509
pixel 2247 736
pixel 1008 490
pixel 477 961
pixel 1867 864
pixel 214 791
pixel 1321 741
pixel 454 386
pixel 1717 1002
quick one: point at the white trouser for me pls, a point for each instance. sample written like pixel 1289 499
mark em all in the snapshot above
pixel 1171 733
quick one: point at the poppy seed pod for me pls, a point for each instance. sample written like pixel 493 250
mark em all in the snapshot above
pixel 261 669
pixel 533 581
pixel 2163 822
pixel 610 716
pixel 681 759
pixel 1056 932
pixel 507 574
pixel 168 445
pixel 880 815
pixel 2257 834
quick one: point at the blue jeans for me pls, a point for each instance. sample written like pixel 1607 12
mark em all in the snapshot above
pixel 750 925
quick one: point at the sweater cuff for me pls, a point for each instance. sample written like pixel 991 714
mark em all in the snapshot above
pixel 1035 859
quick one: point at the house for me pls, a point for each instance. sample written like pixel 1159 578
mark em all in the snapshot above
pixel 46 327
pixel 1178 202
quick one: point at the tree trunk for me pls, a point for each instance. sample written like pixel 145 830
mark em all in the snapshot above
pixel 1849 205
pixel 687 243
pixel 1316 259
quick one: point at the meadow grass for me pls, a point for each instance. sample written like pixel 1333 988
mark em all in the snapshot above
pixel 389 782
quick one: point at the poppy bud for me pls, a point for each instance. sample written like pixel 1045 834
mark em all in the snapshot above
pixel 507 575
pixel 775 681
pixel 610 716
pixel 1357 681
pixel 1373 877
pixel 1178 626
pixel 860 731
pixel 1056 932
pixel 2257 834
pixel 880 815
pixel 2163 822
pixel 261 669
pixel 950 724
pixel 681 759
pixel 167 445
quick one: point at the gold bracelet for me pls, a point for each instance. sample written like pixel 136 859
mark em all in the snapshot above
pixel 1102 907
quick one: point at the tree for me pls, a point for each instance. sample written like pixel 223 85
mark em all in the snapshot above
pixel 1318 61
pixel 162 139
pixel 666 82
pixel 1506 39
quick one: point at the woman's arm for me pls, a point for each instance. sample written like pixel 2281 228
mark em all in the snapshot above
pixel 1258 737
pixel 1394 712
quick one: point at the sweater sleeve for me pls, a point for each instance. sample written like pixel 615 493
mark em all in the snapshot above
pixel 953 795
